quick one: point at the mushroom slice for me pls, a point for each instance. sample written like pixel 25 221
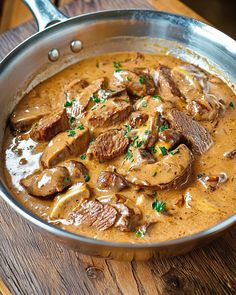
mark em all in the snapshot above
pixel 173 170
pixel 65 203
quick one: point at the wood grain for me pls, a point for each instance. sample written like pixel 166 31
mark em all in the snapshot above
pixel 31 264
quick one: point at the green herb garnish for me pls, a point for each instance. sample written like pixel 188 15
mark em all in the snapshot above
pixel 153 149
pixel 163 150
pixel 159 206
pixel 71 132
pixel 129 154
pixel 86 178
pixel 139 233
pixel 66 179
pixel 72 119
pixel 231 104
pixel 154 174
pixel 174 152
pixel 80 127
pixel 147 132
pixel 83 157
pixel 144 104
pixel 200 175
pixel 163 127
pixel 68 104
pixel 97 65
pixel 129 79
pixel 142 79
pixel 117 64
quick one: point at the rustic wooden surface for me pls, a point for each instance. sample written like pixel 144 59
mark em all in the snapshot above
pixel 30 264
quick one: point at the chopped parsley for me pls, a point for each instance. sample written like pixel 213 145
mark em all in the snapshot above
pixel 128 129
pixel 126 100
pixel 118 70
pixel 83 157
pixel 129 79
pixel 142 79
pixel 147 132
pixel 163 127
pixel 174 152
pixel 144 104
pixel 117 64
pixel 153 149
pixel 139 233
pixel 86 178
pixel 68 104
pixel 72 119
pixel 231 104
pixel 66 179
pixel 159 206
pixel 129 154
pixel 163 150
pixel 80 127
pixel 71 132
pixel 96 99
pixel 138 144
pixel 154 174
pixel 156 97
pixel 200 175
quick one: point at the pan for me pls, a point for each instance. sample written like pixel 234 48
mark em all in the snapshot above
pixel 62 41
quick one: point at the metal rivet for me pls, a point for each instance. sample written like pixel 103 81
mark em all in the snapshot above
pixel 53 54
pixel 76 45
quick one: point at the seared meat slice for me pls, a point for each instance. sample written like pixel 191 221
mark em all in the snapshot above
pixel 77 170
pixel 64 145
pixel 108 114
pixel 211 182
pixel 167 88
pixel 111 181
pixel 24 117
pixel 136 85
pixel 47 182
pixel 93 213
pixel 108 145
pixel 173 170
pixel 230 154
pixel 129 214
pixel 196 136
pixel 50 126
pixel 82 99
pixel 73 88
pixel 137 119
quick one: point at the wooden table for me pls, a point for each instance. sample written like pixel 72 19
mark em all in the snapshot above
pixel 30 264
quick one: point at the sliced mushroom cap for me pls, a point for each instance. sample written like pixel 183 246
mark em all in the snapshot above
pixel 173 170
pixel 47 182
pixel 65 203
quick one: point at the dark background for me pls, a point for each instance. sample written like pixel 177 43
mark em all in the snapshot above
pixel 220 13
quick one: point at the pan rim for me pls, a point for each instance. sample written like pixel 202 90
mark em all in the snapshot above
pixel 44 225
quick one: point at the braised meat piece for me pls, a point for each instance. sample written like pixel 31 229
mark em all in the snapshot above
pixel 108 114
pixel 195 135
pixel 108 145
pixel 24 117
pixel 93 213
pixel 172 171
pixel 136 85
pixel 171 136
pixel 73 88
pixel 111 181
pixel 77 170
pixel 137 119
pixel 47 182
pixel 64 145
pixel 50 126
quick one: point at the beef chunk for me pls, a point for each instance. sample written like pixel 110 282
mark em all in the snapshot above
pixel 137 119
pixel 172 171
pixel 64 145
pixel 73 88
pixel 93 213
pixel 135 84
pixel 114 111
pixel 195 135
pixel 77 170
pixel 108 145
pixel 128 213
pixel 50 126
pixel 24 117
pixel 82 99
pixel 111 181
pixel 48 182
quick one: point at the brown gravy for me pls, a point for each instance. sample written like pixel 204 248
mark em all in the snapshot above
pixel 188 209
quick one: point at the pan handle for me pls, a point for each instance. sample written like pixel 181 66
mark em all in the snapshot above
pixel 44 12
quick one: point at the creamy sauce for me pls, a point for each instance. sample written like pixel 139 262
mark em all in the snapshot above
pixel 199 207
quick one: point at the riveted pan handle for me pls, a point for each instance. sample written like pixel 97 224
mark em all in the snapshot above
pixel 44 12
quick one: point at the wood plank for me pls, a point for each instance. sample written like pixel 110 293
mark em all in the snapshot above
pixel 32 264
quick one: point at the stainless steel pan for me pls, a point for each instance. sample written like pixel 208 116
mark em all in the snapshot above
pixel 69 40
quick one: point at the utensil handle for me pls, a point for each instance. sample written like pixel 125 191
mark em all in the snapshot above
pixel 44 12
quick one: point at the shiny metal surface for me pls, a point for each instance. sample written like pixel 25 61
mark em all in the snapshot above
pixel 76 45
pixel 139 30
pixel 53 54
